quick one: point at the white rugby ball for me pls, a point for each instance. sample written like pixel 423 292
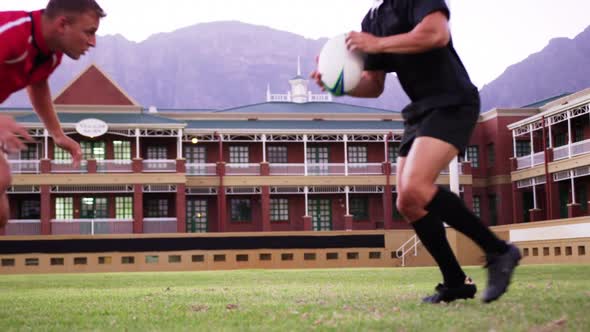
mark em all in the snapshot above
pixel 341 69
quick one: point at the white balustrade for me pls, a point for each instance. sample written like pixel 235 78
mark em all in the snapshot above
pixel 538 158
pixel 242 169
pixel 23 227
pixel 114 166
pixel 91 226
pixel 287 169
pixel 365 169
pixel 201 169
pixel 66 166
pixel 24 166
pixel 325 169
pixel 523 162
pixel 159 225
pixel 561 152
pixel 581 147
pixel 159 166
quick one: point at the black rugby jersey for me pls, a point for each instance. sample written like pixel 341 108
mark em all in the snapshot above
pixel 436 78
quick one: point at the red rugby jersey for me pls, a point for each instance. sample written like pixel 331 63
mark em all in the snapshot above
pixel 24 56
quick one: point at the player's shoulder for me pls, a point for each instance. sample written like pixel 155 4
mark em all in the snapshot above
pixel 15 30
pixel 13 17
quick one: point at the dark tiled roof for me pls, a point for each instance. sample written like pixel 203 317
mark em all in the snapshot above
pixel 540 103
pixel 313 107
pixel 113 118
pixel 295 125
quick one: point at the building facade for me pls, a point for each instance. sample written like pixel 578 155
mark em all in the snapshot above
pixel 297 162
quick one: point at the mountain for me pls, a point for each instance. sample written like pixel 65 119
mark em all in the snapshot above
pixel 562 66
pixel 211 65
pixel 227 64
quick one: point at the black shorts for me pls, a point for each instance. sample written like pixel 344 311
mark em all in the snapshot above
pixel 452 124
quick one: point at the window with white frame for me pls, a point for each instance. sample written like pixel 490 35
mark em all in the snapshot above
pixel 156 208
pixel 61 154
pixel 31 152
pixel 477 205
pixel 357 154
pixel 359 208
pixel 523 148
pixel 64 208
pixel 491 153
pixel 157 152
pixel 279 209
pixel 94 207
pixel 195 154
pixel 93 150
pixel 122 150
pixel 241 209
pixel 124 207
pixel 30 209
pixel 277 154
pixel 392 152
pixel 472 155
pixel 238 154
pixel 493 204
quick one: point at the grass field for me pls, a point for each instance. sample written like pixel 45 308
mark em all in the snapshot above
pixel 542 298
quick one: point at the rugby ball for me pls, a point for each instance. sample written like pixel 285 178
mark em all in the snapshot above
pixel 341 69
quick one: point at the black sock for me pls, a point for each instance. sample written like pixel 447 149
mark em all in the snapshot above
pixel 431 232
pixel 453 211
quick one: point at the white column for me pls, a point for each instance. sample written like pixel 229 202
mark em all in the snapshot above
pixel 347 192
pixel 534 194
pixel 573 187
pixel 46 144
pixel 137 154
pixel 263 148
pixel 532 146
pixel 550 136
pixel 306 191
pixel 454 175
pixel 346 156
pixel 514 143
pixel 569 134
pixel 179 145
pixel 305 164
pixel 385 147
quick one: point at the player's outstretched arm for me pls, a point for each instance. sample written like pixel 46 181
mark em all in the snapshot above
pixel 432 32
pixel 40 96
pixel 371 85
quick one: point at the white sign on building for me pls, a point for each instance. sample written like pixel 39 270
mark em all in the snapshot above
pixel 92 127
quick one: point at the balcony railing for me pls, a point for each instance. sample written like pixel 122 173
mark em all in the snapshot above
pixel 325 169
pixel 91 226
pixel 581 147
pixel 242 169
pixel 287 169
pixel 23 227
pixel 24 166
pixel 159 225
pixel 559 153
pixel 159 165
pixel 201 169
pixel 114 166
pixel 365 169
pixel 66 166
pixel 526 161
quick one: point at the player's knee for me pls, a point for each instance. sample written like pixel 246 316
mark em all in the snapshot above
pixel 5 179
pixel 411 199
pixel 4 210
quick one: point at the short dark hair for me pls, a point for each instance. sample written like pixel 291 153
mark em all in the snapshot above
pixel 57 7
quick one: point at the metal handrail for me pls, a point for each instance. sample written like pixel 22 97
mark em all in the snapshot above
pixel 402 252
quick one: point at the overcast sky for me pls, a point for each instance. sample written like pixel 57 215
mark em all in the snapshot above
pixel 489 35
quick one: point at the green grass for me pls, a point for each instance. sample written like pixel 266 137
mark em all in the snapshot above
pixel 542 298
